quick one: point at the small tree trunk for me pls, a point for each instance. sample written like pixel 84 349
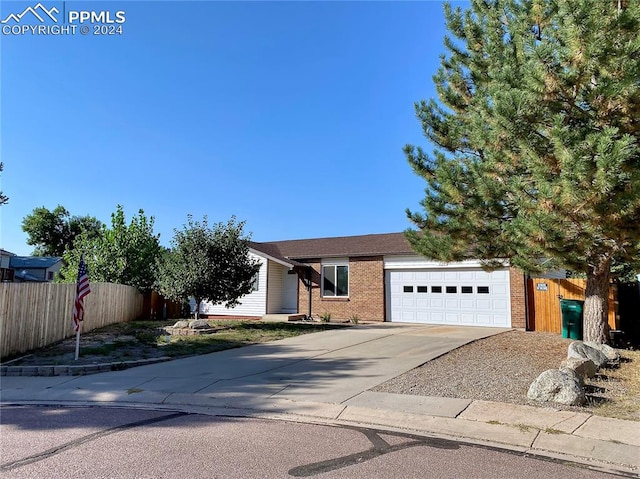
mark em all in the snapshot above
pixel 197 313
pixel 596 303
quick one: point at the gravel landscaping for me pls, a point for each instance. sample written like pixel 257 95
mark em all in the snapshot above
pixel 501 368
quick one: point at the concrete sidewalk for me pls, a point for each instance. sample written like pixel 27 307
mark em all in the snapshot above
pixel 325 378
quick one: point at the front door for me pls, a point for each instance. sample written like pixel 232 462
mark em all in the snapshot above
pixel 290 293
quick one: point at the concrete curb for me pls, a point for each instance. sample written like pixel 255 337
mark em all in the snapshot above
pixel 601 455
pixel 77 370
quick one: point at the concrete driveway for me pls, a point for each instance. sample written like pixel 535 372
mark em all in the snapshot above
pixel 324 378
pixel 331 367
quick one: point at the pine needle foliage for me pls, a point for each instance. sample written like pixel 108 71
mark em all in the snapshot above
pixel 536 131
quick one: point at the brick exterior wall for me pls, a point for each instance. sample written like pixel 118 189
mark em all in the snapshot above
pixel 518 299
pixel 366 292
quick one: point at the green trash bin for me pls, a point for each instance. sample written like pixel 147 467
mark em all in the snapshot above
pixel 571 318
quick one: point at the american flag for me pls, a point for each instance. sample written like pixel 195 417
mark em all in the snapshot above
pixel 82 289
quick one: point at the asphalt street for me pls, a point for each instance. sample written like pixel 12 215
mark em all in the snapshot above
pixel 102 442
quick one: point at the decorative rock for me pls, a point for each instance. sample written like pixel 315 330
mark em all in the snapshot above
pixel 559 386
pixel 612 355
pixel 199 324
pixel 578 349
pixel 584 368
pixel 181 324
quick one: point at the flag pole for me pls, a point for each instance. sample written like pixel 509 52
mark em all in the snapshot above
pixel 82 289
pixel 78 343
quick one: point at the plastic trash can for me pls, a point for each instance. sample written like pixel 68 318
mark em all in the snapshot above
pixel 571 318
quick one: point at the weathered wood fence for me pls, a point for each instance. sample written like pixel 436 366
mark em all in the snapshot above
pixel 544 296
pixel 33 315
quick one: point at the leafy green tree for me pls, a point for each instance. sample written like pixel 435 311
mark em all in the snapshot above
pixel 3 198
pixel 208 263
pixel 122 254
pixel 536 130
pixel 53 232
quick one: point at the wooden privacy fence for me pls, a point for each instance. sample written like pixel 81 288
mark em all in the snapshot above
pixel 544 302
pixel 34 315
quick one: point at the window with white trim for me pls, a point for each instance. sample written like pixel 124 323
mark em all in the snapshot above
pixel 335 281
pixel 256 282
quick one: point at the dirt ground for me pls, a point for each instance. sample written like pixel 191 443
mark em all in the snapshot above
pixel 502 367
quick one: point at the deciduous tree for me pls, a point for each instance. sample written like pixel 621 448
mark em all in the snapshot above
pixel 122 254
pixel 53 232
pixel 536 129
pixel 3 198
pixel 208 263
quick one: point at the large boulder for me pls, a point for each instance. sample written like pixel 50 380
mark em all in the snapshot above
pixel 612 355
pixel 580 350
pixel 199 324
pixel 559 386
pixel 181 324
pixel 584 368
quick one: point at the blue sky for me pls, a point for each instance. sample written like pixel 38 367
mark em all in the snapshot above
pixel 290 115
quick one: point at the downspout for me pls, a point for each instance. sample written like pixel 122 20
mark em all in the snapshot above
pixel 527 325
pixel 309 287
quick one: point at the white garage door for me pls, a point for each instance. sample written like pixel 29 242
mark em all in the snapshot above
pixel 466 297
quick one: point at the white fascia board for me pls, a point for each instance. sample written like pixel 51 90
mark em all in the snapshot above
pixel 270 258
pixel 334 261
pixel 420 262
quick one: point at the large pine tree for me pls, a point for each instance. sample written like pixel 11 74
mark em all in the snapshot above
pixel 536 129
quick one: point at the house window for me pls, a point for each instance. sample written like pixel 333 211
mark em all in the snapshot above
pixel 49 275
pixel 7 274
pixel 335 281
pixel 256 282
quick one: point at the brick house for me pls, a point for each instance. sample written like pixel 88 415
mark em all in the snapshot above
pixel 377 278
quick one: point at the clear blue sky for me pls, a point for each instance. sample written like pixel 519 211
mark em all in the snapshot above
pixel 289 115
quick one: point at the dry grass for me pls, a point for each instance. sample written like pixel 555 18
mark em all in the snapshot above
pixel 621 396
pixel 147 339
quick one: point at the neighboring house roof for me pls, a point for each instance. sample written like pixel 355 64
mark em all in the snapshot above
pixel 6 253
pixel 342 246
pixel 33 262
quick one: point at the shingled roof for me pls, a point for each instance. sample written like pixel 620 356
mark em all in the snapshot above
pixel 33 262
pixel 341 246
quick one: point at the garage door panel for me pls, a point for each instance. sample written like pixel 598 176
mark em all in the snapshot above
pixel 499 304
pixel 483 303
pixel 408 316
pixel 452 303
pixel 452 318
pixel 467 304
pixel 408 302
pixel 437 303
pixel 423 303
pixel 498 289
